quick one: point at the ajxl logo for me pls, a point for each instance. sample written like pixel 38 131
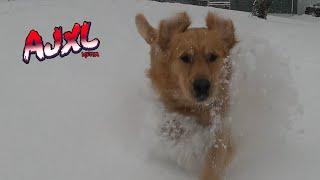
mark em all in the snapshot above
pixel 34 43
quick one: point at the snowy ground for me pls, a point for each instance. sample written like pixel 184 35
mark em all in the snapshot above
pixel 78 119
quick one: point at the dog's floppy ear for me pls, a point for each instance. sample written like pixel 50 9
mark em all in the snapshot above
pixel 169 27
pixel 148 33
pixel 224 28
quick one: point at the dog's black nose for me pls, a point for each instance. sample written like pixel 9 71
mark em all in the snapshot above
pixel 201 89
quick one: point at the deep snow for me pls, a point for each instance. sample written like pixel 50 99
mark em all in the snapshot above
pixel 78 119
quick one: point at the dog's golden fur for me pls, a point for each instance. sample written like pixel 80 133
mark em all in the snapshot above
pixel 172 78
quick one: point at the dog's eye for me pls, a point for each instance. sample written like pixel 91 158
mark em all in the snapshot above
pixel 212 57
pixel 186 58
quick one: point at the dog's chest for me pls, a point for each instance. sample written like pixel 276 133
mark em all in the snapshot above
pixel 183 140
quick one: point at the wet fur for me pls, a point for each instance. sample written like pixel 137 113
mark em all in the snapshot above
pixel 172 79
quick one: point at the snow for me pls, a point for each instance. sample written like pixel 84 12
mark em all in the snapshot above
pixel 182 140
pixel 78 119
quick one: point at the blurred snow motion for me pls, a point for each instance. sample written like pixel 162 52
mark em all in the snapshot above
pixel 264 103
pixel 183 140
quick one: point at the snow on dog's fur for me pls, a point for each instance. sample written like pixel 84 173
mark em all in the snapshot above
pixel 190 71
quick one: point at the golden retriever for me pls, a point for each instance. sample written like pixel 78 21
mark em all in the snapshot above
pixel 191 71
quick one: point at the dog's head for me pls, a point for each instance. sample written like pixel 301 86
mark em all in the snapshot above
pixel 188 61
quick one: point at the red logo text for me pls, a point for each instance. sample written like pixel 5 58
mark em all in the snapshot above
pixel 34 43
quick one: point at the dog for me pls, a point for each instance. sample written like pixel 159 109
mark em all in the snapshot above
pixel 190 71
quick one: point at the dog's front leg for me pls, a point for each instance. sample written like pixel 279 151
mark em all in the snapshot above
pixel 218 158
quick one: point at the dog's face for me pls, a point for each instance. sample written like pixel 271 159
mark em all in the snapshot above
pixel 191 60
pixel 197 61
